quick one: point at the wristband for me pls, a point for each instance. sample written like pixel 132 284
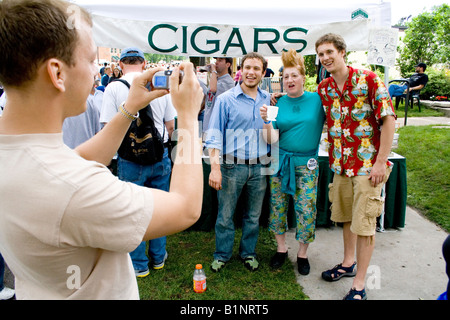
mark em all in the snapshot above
pixel 268 122
pixel 126 113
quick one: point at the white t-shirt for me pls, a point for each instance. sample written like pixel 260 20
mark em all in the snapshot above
pixel 116 93
pixel 67 225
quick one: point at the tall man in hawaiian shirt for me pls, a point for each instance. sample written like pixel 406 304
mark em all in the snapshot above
pixel 361 124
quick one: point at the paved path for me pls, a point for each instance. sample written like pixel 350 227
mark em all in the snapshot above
pixel 416 121
pixel 407 263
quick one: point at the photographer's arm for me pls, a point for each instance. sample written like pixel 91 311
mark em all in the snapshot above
pixel 104 145
pixel 179 208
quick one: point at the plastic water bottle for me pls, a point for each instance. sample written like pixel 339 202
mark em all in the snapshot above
pixel 199 279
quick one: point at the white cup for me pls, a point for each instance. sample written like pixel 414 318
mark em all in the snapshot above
pixel 272 112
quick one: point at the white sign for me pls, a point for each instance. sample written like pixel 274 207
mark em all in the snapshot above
pixel 189 39
pixel 382 46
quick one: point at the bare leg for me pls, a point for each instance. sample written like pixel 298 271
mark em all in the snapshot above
pixel 349 245
pixel 281 242
pixel 364 250
pixel 302 250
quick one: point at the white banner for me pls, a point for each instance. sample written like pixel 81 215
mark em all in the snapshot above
pixel 196 40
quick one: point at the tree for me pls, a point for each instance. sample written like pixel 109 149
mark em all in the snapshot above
pixel 442 14
pixel 156 57
pixel 427 40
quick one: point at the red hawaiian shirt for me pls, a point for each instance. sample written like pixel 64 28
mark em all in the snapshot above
pixel 353 120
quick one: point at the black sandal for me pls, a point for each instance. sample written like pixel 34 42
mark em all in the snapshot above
pixel 353 292
pixel 335 274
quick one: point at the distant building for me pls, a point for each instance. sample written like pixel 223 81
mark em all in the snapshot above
pixel 108 54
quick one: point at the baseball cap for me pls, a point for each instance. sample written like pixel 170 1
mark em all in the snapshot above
pixel 422 65
pixel 132 52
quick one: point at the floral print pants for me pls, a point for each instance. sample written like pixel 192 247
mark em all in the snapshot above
pixel 304 204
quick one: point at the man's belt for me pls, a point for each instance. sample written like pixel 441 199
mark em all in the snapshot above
pixel 229 159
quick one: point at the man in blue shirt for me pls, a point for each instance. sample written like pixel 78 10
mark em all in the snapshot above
pixel 235 133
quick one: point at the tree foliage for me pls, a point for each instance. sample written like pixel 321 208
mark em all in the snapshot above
pixel 427 40
pixel 156 57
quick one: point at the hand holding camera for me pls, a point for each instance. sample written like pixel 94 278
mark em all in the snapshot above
pixel 187 95
pixel 185 90
pixel 140 96
pixel 161 79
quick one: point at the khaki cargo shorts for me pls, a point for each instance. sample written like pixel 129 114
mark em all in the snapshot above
pixel 353 199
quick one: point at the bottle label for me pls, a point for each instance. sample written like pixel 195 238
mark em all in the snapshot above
pixel 200 285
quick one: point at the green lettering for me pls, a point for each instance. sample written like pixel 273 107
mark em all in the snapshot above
pixel 184 39
pixel 290 40
pixel 231 44
pixel 214 42
pixel 270 43
pixel 152 32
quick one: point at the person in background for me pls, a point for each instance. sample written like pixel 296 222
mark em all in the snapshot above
pixel 155 175
pixel 238 76
pixel 322 73
pixel 116 74
pixel 82 127
pixel 446 255
pixel 298 129
pixel 106 76
pixel 102 69
pixel 356 105
pixel 219 82
pixel 5 292
pixel 416 82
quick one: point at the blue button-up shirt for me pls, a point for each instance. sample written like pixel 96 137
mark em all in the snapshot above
pixel 235 126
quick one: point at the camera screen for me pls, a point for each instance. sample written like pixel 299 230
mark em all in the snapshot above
pixel 161 81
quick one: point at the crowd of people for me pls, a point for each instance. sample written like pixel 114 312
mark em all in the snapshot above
pixel 61 134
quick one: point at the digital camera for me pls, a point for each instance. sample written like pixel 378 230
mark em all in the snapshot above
pixel 161 79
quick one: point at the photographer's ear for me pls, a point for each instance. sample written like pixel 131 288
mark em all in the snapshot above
pixel 56 73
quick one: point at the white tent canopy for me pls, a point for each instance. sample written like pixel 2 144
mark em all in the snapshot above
pixel 232 28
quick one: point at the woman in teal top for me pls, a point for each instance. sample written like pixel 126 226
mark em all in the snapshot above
pixel 299 122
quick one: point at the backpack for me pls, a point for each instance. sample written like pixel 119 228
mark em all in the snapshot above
pixel 142 143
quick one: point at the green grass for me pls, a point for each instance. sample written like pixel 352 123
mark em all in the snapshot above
pixel 234 282
pixel 427 153
pixel 414 112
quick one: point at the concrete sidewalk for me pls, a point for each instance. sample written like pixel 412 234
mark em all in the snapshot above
pixel 424 121
pixel 407 263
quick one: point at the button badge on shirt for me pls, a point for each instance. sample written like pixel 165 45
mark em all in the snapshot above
pixel 312 164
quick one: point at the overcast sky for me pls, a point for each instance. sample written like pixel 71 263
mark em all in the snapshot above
pixel 404 8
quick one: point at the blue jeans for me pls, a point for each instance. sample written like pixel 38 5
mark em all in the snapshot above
pixel 234 178
pixel 396 90
pixel 155 176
